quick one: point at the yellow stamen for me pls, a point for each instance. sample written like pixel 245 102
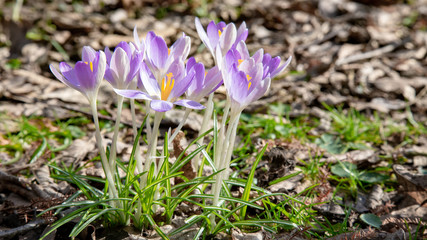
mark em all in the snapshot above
pixel 249 80
pixel 167 86
pixel 206 73
pixel 91 65
pixel 169 51
pixel 240 61
pixel 219 33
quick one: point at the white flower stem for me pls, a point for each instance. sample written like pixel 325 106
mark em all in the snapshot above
pixel 181 124
pixel 223 152
pixel 135 133
pixel 147 123
pixel 205 123
pixel 107 170
pixel 113 149
pixel 151 152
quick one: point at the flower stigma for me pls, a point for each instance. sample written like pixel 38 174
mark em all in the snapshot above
pixel 167 86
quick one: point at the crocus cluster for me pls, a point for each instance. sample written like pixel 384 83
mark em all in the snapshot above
pixel 147 69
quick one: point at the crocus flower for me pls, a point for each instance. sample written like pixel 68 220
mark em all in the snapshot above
pixel 122 65
pixel 163 95
pixel 221 36
pixel 159 57
pixel 204 82
pixel 86 76
pixel 248 78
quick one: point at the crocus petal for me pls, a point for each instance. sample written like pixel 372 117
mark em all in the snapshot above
pixel 158 52
pixel 125 46
pixel 135 65
pixel 281 68
pixel 149 82
pixel 189 104
pixel 69 73
pixel 85 76
pixel 108 54
pixel 190 63
pixel 242 34
pixel 133 94
pixel 161 106
pixel 243 50
pixel 181 48
pixel 88 54
pixel 202 34
pixel 120 64
pixel 213 35
pixel 100 64
pixel 138 43
pixel 111 77
pixel 182 85
pixel 73 83
pixel 227 38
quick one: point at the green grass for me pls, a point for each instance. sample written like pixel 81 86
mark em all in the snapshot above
pixel 255 208
pixel 39 137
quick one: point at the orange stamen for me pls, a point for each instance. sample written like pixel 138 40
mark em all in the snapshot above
pixel 167 87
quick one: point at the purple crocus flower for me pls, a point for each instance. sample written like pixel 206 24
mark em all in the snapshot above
pixel 248 78
pixel 204 82
pixel 221 36
pixel 122 65
pixel 159 57
pixel 86 76
pixel 163 95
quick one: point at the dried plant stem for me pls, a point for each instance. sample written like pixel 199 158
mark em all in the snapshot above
pixel 113 150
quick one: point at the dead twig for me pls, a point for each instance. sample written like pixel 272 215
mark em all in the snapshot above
pixel 371 54
pixel 38 222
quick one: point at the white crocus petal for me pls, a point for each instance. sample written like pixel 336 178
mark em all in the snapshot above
pixel 202 34
pixel 228 37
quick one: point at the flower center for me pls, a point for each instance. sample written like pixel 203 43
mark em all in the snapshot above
pixel 167 86
pixel 90 64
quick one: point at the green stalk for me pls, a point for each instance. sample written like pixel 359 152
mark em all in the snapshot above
pixel 113 150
